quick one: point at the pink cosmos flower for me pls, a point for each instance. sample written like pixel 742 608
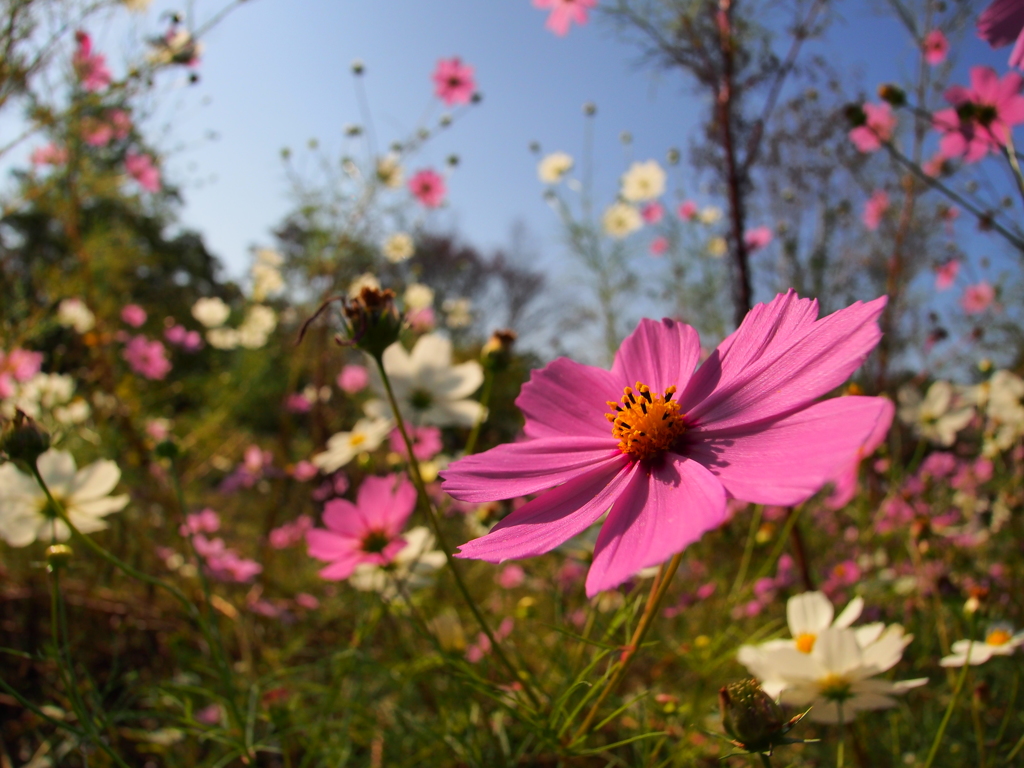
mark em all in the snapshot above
pixel 758 238
pixel 564 13
pixel 653 212
pixel 133 314
pixel 353 378
pixel 687 210
pixel 90 67
pixel 146 357
pixel 365 532
pixel 511 576
pixel 744 425
pixel 296 402
pixel 936 47
pixel 120 123
pixel 180 336
pixel 50 154
pixel 307 601
pixel 421 320
pixel 290 533
pixel 97 134
pixel 659 246
pixel 18 365
pixel 982 115
pixel 206 521
pixel 223 563
pixel 304 470
pixel 875 208
pixel 428 187
pixel 977 298
pixel 453 81
pixel 945 275
pixel 1002 23
pixel 878 129
pixel 426 442
pixel 142 169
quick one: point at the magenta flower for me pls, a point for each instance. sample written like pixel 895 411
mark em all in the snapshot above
pixel 147 358
pixel 564 13
pixel 982 115
pixel 945 275
pixel 758 238
pixel 142 169
pixel 426 442
pixel 90 67
pixel 364 532
pixel 936 47
pixel 453 81
pixel 680 442
pixel 353 378
pixel 653 212
pixel 877 129
pixel 659 246
pixel 1002 23
pixel 50 154
pixel 875 208
pixel 687 210
pixel 428 187
pixel 977 298
pixel 133 315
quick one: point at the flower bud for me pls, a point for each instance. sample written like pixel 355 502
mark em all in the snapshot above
pixel 167 449
pixel 358 67
pixel 673 156
pixel 892 94
pixel 497 352
pixel 752 718
pixel 58 556
pixel 856 115
pixel 24 440
pixel 373 321
pixel 590 109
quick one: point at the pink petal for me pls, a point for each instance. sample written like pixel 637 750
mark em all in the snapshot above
pixel 384 505
pixel 343 517
pixel 552 519
pixel 342 569
pixel 844 485
pixel 518 469
pixel 786 461
pixel 660 355
pixel 796 365
pixel 325 545
pixel 984 83
pixel 1001 22
pixel 661 512
pixel 1017 54
pixel 568 398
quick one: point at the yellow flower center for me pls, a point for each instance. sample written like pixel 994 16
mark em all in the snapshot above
pixel 357 438
pixel 646 425
pixel 834 687
pixel 805 642
pixel 998 637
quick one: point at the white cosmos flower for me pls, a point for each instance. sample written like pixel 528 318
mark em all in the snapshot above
pixel 939 415
pixel 72 313
pixel 620 220
pixel 25 514
pixel 429 389
pixel 398 247
pixel 999 641
pixel 389 171
pixel 418 296
pixel 366 435
pixel 553 167
pixel 710 214
pixel 839 672
pixel 211 311
pixel 643 181
pixel 411 569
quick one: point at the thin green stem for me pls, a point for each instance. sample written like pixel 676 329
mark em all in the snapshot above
pixel 979 730
pixel 428 505
pixel 1011 155
pixel 485 399
pixel 748 550
pixel 952 705
pixel 657 594
pixel 765 760
pixel 841 749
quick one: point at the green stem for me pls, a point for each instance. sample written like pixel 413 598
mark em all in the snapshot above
pixel 435 523
pixel 658 590
pixel 952 705
pixel 979 730
pixel 1011 155
pixel 485 399
pixel 841 749
pixel 765 760
pixel 748 550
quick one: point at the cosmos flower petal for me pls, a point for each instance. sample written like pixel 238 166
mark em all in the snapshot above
pixel 462 380
pixel 809 613
pixel 58 469
pixel 342 517
pixel 518 469
pixel 661 512
pixel 99 507
pixel 793 369
pixel 659 355
pixel 553 518
pixel 563 398
pixel 392 503
pixel 97 479
pixel 341 568
pixel 788 460
pixel 850 614
pixel 837 651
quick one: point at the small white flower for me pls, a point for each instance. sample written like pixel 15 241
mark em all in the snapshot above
pixel 74 413
pixel 72 313
pixel 366 435
pixel 269 257
pixel 222 338
pixel 458 313
pixel 643 181
pixel 999 641
pixel 136 6
pixel 710 214
pixel 389 171
pixel 211 311
pixel 717 247
pixel 553 167
pixel 266 281
pixel 259 323
pixel 25 513
pixel 620 220
pixel 939 415
pixel 418 296
pixel 411 569
pixel 398 248
pixel 429 389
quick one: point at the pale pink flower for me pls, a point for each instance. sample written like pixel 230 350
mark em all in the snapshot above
pixel 687 210
pixel 511 576
pixel 982 116
pixel 653 212
pixel 307 601
pixel 291 533
pixel 946 274
pixel 210 715
pixel 877 129
pixel 421 320
pixel 147 357
pixel 133 315
pixel 564 13
pixel 428 187
pixel 222 563
pixel 141 168
pixel 875 208
pixel 1002 23
pixel 120 123
pixel 426 442
pixel 49 154
pixel 296 402
pixel 206 521
pixel 97 134
pixel 977 298
pixel 745 425
pixel 659 246
pixel 304 470
pixel 158 429
pixel 758 238
pixel 90 67
pixel 935 166
pixel 368 531
pixel 453 81
pixel 21 364
pixel 353 378
pixel 936 47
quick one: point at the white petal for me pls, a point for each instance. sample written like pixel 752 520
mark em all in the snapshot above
pixel 93 482
pixel 850 613
pixel 837 650
pixel 58 470
pixel 809 613
pixel 97 508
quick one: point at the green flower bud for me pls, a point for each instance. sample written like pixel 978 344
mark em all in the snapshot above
pixel 58 556
pixel 373 321
pixel 24 440
pixel 754 721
